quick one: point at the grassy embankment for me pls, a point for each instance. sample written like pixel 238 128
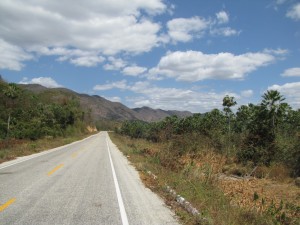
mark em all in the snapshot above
pixel 220 199
pixel 13 148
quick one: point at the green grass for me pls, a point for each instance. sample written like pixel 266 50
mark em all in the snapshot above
pixel 207 198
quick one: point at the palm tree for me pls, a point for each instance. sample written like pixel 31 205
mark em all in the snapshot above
pixel 273 102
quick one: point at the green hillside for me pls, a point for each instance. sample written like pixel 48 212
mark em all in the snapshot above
pixel 28 115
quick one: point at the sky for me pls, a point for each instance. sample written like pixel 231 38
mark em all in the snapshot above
pixel 172 55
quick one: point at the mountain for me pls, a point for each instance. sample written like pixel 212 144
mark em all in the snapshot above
pixel 101 108
pixel 152 115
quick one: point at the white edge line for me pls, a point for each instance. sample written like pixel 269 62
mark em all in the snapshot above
pixel 44 153
pixel 119 196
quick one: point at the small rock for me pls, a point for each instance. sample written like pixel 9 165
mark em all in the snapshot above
pixel 180 199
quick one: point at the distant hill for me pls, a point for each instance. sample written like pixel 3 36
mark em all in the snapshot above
pixel 151 115
pixel 101 108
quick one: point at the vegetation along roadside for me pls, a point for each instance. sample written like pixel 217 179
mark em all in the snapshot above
pixel 234 167
pixel 31 122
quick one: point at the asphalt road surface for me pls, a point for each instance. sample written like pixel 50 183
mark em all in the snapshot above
pixel 86 182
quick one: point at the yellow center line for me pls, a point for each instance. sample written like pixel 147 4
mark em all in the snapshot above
pixel 56 168
pixel 4 206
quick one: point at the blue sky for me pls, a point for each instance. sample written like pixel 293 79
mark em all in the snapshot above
pixel 174 55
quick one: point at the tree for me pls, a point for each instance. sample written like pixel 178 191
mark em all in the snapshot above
pixel 260 143
pixel 273 102
pixel 245 116
pixel 11 92
pixel 227 103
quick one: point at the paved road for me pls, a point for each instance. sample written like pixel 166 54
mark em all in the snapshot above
pixel 87 182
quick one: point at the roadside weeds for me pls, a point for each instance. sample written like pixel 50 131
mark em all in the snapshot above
pixel 11 149
pixel 213 206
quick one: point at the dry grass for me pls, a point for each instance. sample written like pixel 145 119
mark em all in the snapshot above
pixel 193 176
pixel 261 195
pixel 11 149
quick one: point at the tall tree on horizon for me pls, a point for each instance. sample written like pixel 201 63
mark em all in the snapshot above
pixel 227 103
pixel 273 103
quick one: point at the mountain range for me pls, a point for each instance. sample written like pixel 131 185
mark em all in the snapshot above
pixel 101 108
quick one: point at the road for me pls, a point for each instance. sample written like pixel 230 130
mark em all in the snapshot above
pixel 86 182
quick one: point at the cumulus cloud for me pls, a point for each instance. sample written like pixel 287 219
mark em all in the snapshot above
pixel 187 29
pixel 290 91
pixel 87 61
pixel 294 12
pixel 86 32
pixel 44 81
pixel 134 70
pixel 108 86
pixel 74 56
pixel 222 17
pixel 115 64
pixel 291 72
pixel 183 29
pixel 12 57
pixel 99 27
pixel 217 28
pixel 196 66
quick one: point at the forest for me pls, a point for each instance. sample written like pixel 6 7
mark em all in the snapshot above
pixel 26 115
pixel 261 134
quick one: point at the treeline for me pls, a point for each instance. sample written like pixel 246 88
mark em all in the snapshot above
pixel 26 115
pixel 261 134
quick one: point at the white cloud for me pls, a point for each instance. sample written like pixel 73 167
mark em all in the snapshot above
pixel 99 27
pixel 225 31
pixel 217 29
pixel 87 61
pixel 247 93
pixel 176 98
pixel 196 66
pixel 169 98
pixel 44 81
pixel 187 29
pixel 115 64
pixel 134 70
pixel 294 12
pixel 222 17
pixel 12 56
pixel 291 72
pixel 278 51
pixel 182 29
pixel 291 92
pixel 74 56
pixel 108 86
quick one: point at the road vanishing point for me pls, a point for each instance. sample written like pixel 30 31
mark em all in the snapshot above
pixel 86 182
